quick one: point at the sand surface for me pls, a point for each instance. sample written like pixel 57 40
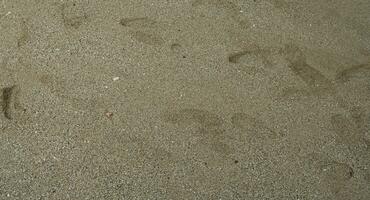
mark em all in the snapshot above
pixel 185 99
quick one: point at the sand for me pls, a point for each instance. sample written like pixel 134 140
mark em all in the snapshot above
pixel 192 99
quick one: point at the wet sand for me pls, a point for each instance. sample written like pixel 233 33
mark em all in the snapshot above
pixel 193 99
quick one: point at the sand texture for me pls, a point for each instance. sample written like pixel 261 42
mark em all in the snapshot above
pixel 185 99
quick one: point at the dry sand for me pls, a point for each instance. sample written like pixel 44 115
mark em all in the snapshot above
pixel 191 99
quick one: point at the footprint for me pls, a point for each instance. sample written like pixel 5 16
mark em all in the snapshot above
pixel 334 175
pixel 11 101
pixel 351 131
pixel 232 9
pixel 213 138
pixel 295 93
pixel 209 128
pixel 73 15
pixel 24 35
pixel 178 49
pixel 143 30
pixel 367 177
pixel 235 57
pixel 254 127
pixel 366 128
pixel 60 89
pixel 358 115
pixel 251 61
pixel 288 8
pixel 190 115
pixel 157 156
pixel 347 132
pixel 337 171
pixel 138 22
pixel 280 4
pixel 358 71
pixel 5 71
pixel 298 65
pixel 55 85
pixel 147 38
pixel 316 83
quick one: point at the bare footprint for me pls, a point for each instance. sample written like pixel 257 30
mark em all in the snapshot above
pixel 237 57
pixel 138 22
pixel 178 49
pixel 367 177
pixel 337 171
pixel 60 89
pixel 190 115
pixel 229 7
pixel 143 30
pixel 55 85
pixel 316 83
pixel 73 14
pixel 251 60
pixel 157 156
pixel 280 4
pixel 147 38
pixel 24 35
pixel 11 101
pixel 214 139
pixel 314 79
pixel 355 72
pixel 209 128
pixel 349 131
pixel 289 8
pixel 334 175
pixel 254 127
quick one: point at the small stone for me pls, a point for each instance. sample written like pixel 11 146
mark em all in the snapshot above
pixel 116 78
pixel 109 114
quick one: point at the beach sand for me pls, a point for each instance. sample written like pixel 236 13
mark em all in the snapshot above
pixel 192 99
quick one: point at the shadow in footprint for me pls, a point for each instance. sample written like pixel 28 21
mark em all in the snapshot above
pixel 11 101
pixel 138 22
pixel 297 63
pixel 251 60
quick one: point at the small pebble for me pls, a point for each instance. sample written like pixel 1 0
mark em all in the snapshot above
pixel 109 114
pixel 115 78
